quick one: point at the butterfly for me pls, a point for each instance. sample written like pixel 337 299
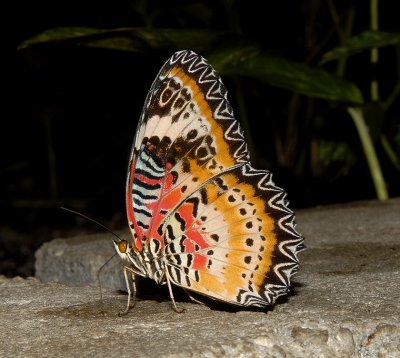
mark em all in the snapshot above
pixel 200 215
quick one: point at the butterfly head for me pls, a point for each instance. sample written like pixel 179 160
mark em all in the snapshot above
pixel 124 249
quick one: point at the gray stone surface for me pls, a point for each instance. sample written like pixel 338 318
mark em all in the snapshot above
pixel 78 261
pixel 346 301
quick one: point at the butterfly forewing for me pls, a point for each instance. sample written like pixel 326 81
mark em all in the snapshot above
pixel 219 226
pixel 188 130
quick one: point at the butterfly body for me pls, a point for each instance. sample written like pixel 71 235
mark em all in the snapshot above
pixel 201 216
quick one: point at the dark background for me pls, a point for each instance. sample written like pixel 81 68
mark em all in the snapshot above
pixel 70 112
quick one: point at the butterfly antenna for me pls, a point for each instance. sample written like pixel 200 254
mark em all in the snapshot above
pixel 99 281
pixel 106 263
pixel 92 220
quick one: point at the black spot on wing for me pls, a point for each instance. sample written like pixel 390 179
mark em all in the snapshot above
pixel 181 221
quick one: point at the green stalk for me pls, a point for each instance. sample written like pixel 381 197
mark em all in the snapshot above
pixel 392 97
pixel 342 61
pixel 374 51
pixel 369 151
pixel 390 152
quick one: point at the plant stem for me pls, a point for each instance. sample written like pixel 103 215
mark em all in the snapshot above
pixel 390 152
pixel 342 61
pixel 374 51
pixel 392 97
pixel 369 151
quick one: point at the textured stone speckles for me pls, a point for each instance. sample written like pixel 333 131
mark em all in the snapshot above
pixel 346 302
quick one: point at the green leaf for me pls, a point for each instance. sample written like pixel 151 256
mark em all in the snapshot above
pixel 243 59
pixel 59 34
pixel 279 72
pixel 129 39
pixel 365 41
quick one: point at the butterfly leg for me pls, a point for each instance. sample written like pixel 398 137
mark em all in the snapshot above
pixel 176 309
pixel 131 292
pixel 193 299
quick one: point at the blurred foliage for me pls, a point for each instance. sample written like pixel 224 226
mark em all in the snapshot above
pixel 128 39
pixel 286 74
pixel 295 79
pixel 242 60
pixel 364 41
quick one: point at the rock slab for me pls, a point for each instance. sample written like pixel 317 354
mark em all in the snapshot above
pixel 345 300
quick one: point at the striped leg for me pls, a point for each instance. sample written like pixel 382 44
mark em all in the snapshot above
pixel 176 309
pixel 130 292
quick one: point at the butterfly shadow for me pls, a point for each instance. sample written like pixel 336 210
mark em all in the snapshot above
pixel 148 290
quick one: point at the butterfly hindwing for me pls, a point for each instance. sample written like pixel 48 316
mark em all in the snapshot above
pixel 195 205
pixel 228 242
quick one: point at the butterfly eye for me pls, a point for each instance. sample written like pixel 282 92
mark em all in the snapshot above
pixel 123 246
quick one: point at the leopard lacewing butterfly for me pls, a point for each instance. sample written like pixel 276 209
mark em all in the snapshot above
pixel 201 216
